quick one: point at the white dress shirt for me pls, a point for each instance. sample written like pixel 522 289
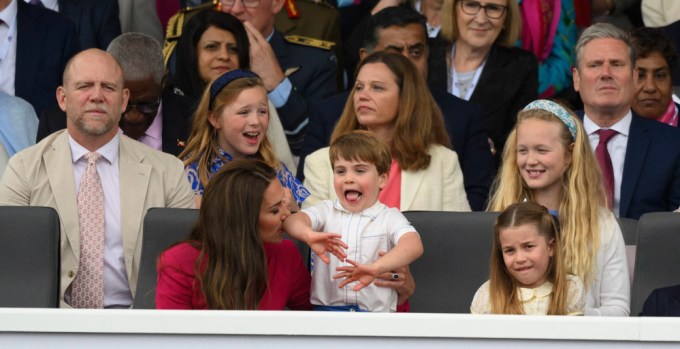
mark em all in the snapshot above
pixel 616 147
pixel 8 47
pixel 116 285
pixel 49 4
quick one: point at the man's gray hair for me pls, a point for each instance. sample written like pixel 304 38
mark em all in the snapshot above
pixel 139 55
pixel 603 31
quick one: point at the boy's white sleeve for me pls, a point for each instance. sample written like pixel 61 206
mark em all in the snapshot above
pixel 399 226
pixel 318 213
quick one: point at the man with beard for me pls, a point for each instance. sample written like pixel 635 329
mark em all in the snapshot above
pixel 100 182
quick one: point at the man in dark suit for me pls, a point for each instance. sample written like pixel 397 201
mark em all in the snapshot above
pixel 643 155
pixel 402 30
pixel 162 123
pixel 663 301
pixel 45 41
pixel 97 22
pixel 295 70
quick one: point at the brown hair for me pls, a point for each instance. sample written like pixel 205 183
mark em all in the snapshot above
pixel 360 145
pixel 503 288
pixel 202 146
pixel 508 35
pixel 231 268
pixel 419 122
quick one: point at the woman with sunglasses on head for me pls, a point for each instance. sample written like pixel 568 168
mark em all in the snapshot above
pixel 482 64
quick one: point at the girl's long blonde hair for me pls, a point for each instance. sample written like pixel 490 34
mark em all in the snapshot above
pixel 581 200
pixel 503 288
pixel 202 146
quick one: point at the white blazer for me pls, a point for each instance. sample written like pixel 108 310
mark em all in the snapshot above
pixel 436 188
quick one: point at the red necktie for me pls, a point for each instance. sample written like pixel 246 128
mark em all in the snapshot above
pixel 605 161
pixel 88 287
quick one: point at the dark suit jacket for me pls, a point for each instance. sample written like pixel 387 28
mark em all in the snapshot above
pixel 96 21
pixel 313 80
pixel 507 84
pixel 464 125
pixel 663 301
pixel 651 170
pixel 45 42
pixel 177 115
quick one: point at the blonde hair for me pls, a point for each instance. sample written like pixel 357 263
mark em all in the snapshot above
pixel 503 288
pixel 581 199
pixel 419 122
pixel 507 37
pixel 202 146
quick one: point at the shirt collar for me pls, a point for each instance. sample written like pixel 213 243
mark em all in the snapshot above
pixel 108 151
pixel 9 14
pixel 622 126
pixel 371 212
pixel 155 130
pixel 49 4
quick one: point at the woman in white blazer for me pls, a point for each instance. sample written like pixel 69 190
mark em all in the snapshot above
pixel 391 99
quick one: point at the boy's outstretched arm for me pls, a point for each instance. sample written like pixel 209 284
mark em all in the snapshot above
pixel 408 249
pixel 299 227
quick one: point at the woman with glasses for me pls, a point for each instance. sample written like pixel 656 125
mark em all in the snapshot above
pixel 483 65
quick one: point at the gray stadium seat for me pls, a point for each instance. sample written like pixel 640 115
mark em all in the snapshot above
pixel 455 262
pixel 657 260
pixel 162 228
pixel 629 228
pixel 29 257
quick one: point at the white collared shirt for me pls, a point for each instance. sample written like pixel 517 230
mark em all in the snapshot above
pixel 8 47
pixel 616 147
pixel 116 285
pixel 377 228
pixel 49 4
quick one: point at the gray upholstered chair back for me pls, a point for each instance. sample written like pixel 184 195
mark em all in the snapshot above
pixel 162 228
pixel 29 257
pixel 657 260
pixel 455 262
pixel 629 227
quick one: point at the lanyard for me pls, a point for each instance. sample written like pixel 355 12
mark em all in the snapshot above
pixel 454 77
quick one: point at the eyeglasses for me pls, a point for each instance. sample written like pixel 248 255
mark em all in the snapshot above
pixel 471 7
pixel 246 3
pixel 144 108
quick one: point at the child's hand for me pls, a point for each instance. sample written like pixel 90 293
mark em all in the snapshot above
pixel 364 274
pixel 321 243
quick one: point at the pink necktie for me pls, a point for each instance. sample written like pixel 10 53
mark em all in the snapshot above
pixel 88 287
pixel 605 161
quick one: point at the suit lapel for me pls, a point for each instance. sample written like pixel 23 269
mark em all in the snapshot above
pixel 410 185
pixel 134 182
pixel 62 183
pixel 636 152
pixel 493 69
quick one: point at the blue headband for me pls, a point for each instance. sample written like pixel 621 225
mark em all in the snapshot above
pixel 225 79
pixel 557 110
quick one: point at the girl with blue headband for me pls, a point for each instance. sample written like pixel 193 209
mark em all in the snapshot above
pixel 547 159
pixel 230 123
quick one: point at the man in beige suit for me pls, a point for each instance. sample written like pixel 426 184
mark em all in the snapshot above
pixel 133 176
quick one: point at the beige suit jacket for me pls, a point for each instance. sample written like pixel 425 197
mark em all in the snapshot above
pixel 436 188
pixel 42 175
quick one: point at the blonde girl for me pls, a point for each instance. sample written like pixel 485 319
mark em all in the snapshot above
pixel 548 159
pixel 231 123
pixel 527 268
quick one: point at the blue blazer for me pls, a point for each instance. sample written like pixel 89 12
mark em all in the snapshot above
pixel 464 124
pixel 651 170
pixel 663 301
pixel 312 72
pixel 45 42
pixel 97 22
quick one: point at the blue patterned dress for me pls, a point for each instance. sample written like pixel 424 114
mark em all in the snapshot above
pixel 287 179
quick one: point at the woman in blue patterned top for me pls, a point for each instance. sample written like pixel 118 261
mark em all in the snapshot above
pixel 231 123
